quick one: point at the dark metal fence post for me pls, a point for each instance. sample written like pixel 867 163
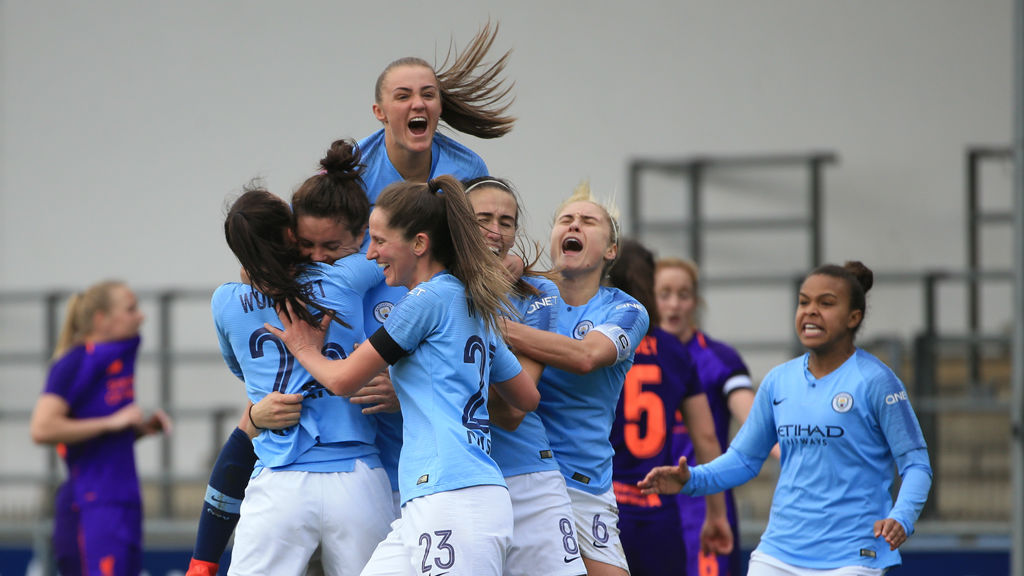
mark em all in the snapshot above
pixel 973 266
pixel 164 358
pixel 817 168
pixel 53 326
pixel 925 382
pixel 696 177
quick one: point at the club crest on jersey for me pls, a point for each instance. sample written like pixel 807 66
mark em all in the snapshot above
pixel 842 402
pixel 581 329
pixel 115 367
pixel 382 310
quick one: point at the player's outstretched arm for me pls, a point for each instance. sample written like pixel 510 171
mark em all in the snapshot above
pixel 666 479
pixel 52 424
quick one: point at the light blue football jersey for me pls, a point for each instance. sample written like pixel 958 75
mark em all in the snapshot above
pixel 840 437
pixel 527 449
pixel 332 431
pixel 446 157
pixel 442 384
pixel 578 410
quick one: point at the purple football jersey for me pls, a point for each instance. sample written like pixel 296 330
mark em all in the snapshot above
pixel 721 371
pixel 97 380
pixel 661 377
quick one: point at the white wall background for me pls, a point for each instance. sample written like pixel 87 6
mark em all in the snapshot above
pixel 127 124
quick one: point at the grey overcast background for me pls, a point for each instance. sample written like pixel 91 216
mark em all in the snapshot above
pixel 126 125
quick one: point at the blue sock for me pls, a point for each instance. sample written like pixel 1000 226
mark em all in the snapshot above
pixel 223 500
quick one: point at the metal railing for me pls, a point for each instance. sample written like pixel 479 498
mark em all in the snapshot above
pixel 696 225
pixel 169 360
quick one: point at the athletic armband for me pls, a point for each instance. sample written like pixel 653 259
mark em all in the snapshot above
pixel 618 336
pixel 386 346
pixel 737 382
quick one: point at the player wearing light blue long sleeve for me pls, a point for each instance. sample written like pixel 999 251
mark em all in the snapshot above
pixel 842 419
pixel 839 436
pixel 579 409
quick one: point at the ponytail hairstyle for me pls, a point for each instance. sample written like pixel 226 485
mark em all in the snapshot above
pixel 471 101
pixel 258 230
pixel 337 191
pixel 440 210
pixel 81 310
pixel 859 279
pixel 633 273
pixel 522 247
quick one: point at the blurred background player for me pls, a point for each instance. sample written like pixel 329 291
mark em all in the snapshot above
pixel 88 409
pixel 662 382
pixel 730 393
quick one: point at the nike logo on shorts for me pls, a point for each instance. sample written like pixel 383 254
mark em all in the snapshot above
pixel 596 545
pixel 569 559
pixel 777 402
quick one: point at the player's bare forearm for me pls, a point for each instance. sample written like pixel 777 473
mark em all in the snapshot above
pixel 378 396
pixel 503 414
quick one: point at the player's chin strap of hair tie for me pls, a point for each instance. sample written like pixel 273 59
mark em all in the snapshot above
pixel 495 183
pixel 435 187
